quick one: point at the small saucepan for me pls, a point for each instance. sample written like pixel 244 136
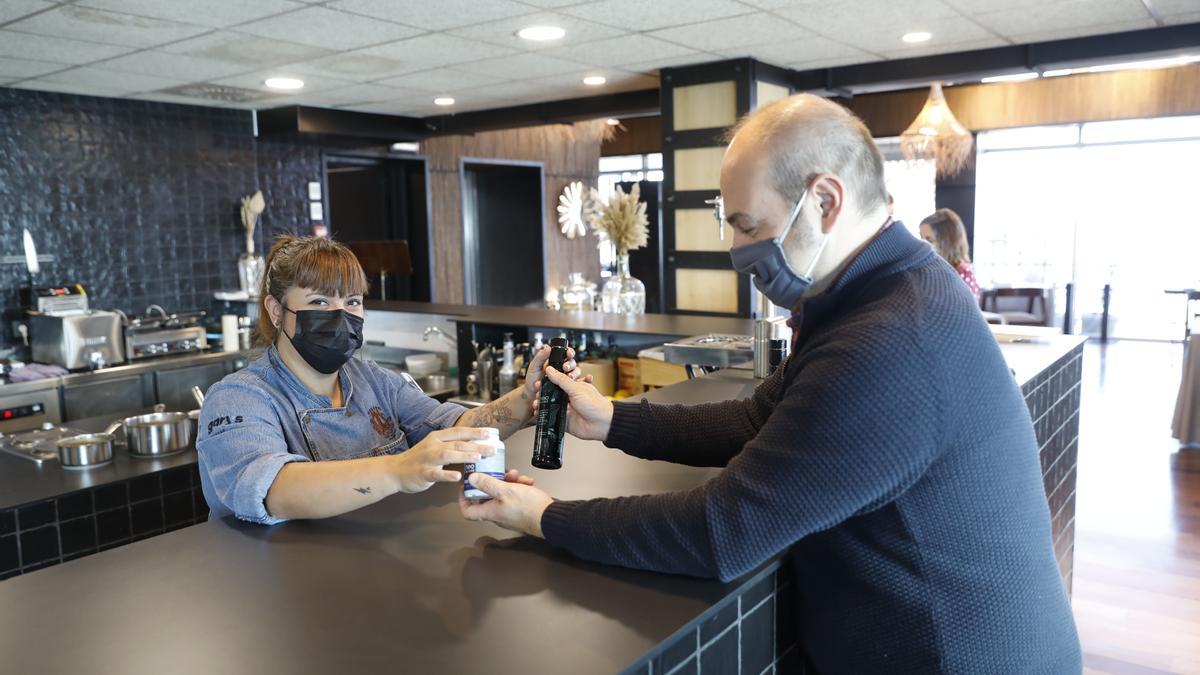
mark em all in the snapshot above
pixel 157 434
pixel 87 450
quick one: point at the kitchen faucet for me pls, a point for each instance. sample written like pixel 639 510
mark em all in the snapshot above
pixel 434 330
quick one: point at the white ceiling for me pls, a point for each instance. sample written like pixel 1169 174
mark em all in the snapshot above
pixel 395 56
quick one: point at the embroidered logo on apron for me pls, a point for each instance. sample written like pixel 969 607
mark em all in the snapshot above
pixel 383 425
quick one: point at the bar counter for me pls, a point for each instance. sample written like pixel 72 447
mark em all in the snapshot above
pixel 408 585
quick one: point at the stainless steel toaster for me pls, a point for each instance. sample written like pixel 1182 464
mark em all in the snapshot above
pixel 92 339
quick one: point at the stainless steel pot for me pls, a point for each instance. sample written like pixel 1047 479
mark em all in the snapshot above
pixel 158 433
pixel 86 451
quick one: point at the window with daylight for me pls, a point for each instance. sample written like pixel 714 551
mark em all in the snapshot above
pixel 1094 204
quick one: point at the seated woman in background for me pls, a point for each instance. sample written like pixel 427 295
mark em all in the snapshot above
pixel 944 230
pixel 266 432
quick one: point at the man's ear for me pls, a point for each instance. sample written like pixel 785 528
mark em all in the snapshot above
pixel 830 195
pixel 275 310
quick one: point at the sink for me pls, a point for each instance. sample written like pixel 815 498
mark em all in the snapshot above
pixel 439 386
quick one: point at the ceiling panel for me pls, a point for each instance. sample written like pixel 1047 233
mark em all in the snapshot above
pixel 19 69
pixel 173 66
pixel 212 13
pixel 396 55
pixel 440 80
pixel 354 66
pixel 97 25
pixel 126 83
pixel 793 51
pixel 11 10
pixel 55 50
pixel 524 66
pixel 740 31
pixel 438 49
pixel 621 50
pixel 503 32
pixel 639 15
pixel 1043 18
pixel 321 27
pixel 438 15
pixel 247 50
pixel 1063 33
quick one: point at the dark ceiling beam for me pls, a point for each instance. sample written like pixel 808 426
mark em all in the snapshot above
pixel 623 104
pixel 972 65
pixel 347 123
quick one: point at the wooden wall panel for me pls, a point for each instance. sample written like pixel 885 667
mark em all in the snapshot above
pixel 698 168
pixel 767 92
pixel 705 106
pixel 696 230
pixel 706 290
pixel 567 152
pixel 1056 100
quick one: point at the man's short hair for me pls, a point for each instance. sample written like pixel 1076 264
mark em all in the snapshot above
pixel 807 135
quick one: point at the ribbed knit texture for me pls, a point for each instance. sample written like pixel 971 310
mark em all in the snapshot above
pixel 892 458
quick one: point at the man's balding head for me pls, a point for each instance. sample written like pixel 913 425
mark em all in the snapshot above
pixel 806 135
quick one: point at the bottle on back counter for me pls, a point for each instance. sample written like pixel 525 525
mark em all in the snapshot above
pixel 508 371
pixel 537 343
pixel 551 428
pixel 492 466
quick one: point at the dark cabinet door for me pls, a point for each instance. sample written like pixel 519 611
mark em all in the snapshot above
pixel 174 387
pixel 116 396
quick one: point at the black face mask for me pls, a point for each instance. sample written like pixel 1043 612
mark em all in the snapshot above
pixel 326 338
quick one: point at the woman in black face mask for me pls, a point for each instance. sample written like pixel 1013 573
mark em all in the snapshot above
pixel 267 432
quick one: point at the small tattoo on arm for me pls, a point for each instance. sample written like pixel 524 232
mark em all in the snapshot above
pixel 363 490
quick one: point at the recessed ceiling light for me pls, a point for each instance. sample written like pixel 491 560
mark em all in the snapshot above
pixel 1057 72
pixel 405 146
pixel 594 80
pixel 541 33
pixel 612 121
pixel 1015 77
pixel 283 83
pixel 443 100
pixel 918 36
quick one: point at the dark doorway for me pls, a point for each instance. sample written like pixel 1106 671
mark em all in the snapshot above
pixel 646 263
pixel 503 259
pixel 383 199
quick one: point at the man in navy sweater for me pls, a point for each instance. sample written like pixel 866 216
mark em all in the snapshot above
pixel 892 457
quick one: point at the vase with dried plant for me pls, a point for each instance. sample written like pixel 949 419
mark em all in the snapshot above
pixel 622 218
pixel 250 265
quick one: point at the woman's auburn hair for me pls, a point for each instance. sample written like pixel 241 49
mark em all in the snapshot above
pixel 319 263
pixel 950 236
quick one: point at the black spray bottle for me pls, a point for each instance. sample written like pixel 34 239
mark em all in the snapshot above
pixel 552 414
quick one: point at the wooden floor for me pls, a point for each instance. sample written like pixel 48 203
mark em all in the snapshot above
pixel 1137 555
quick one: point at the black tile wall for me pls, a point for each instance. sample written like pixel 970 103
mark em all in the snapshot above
pixel 38 535
pixel 156 186
pixel 1053 399
pixel 751 632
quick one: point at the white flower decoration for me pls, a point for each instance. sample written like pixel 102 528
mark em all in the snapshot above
pixel 570 210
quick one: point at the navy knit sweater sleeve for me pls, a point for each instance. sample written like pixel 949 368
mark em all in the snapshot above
pixel 708 434
pixel 856 426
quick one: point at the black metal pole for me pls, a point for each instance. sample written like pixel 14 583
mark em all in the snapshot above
pixel 1068 309
pixel 1104 314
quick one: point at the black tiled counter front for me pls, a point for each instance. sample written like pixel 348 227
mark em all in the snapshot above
pixel 50 515
pixel 407 585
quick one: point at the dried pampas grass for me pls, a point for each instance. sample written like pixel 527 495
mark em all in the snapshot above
pixel 622 219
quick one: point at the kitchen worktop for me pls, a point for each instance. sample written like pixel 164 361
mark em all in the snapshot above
pixel 646 324
pixel 23 481
pixel 125 369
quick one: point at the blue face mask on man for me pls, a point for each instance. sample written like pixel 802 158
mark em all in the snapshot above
pixel 769 265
